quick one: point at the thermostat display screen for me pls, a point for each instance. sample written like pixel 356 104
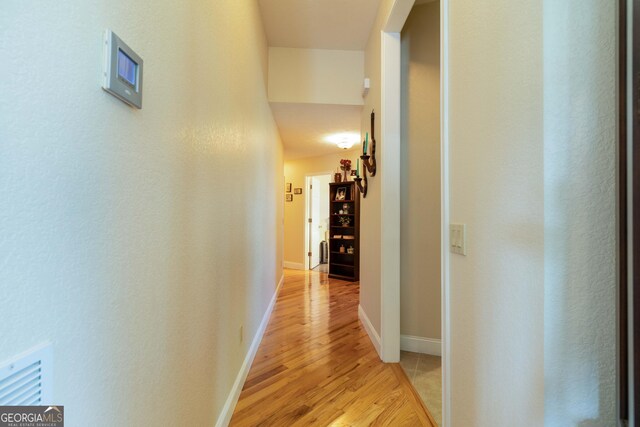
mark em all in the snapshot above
pixel 123 70
pixel 127 68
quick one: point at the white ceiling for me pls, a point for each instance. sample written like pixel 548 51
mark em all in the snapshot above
pixel 319 24
pixel 316 24
pixel 304 127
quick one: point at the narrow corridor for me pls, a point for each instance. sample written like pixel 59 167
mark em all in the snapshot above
pixel 317 367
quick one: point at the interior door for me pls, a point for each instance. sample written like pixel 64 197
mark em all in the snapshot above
pixel 315 226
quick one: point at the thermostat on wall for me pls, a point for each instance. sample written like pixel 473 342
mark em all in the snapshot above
pixel 122 70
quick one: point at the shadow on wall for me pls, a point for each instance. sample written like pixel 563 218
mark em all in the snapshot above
pixel 580 156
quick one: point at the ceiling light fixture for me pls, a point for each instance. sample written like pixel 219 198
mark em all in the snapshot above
pixel 344 140
pixel 345 144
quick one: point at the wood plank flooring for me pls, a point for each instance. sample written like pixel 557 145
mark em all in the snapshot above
pixel 316 366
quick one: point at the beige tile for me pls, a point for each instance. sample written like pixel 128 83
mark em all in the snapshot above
pixel 428 363
pixel 409 362
pixel 427 380
pixel 409 355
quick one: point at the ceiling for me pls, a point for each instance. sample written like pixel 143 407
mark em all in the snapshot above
pixel 318 24
pixel 304 127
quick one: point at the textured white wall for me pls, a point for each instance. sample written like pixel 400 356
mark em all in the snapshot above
pixel 497 189
pixel 318 76
pixel 420 179
pixel 580 211
pixel 137 241
pixel 370 222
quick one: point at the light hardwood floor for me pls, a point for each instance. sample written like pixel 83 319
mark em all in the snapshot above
pixel 316 366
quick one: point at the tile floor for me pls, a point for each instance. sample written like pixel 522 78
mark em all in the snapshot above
pixel 425 373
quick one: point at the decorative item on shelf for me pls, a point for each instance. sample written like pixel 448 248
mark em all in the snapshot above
pixel 337 236
pixel 345 209
pixel 289 197
pixel 297 191
pixel 345 221
pixel 342 249
pixel 345 165
pixel 341 194
pixel 288 187
pixel 337 177
pixel 368 160
pixel 350 250
pixel 341 212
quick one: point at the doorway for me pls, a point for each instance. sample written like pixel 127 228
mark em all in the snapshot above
pixel 420 199
pixel 391 124
pixel 317 221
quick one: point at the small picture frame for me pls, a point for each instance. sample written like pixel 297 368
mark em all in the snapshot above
pixel 288 187
pixel 289 197
pixel 297 191
pixel 341 193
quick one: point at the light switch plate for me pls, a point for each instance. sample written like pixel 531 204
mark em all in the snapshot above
pixel 458 239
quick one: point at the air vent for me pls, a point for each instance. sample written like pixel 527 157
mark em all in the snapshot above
pixel 27 379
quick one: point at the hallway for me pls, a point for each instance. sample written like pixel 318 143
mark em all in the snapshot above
pixel 317 366
pixel 154 168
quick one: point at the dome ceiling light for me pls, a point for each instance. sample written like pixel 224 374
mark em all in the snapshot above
pixel 344 140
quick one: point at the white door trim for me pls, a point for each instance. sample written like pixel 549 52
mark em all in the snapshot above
pixel 444 203
pixel 390 195
pixel 390 124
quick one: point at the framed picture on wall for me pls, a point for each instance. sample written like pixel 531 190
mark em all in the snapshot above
pixel 288 187
pixel 289 197
pixel 297 191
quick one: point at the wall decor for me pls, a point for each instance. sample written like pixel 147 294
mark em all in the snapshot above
pixel 368 160
pixel 288 187
pixel 345 166
pixel 289 197
pixel 297 191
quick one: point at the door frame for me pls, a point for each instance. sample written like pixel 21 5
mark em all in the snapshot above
pixel 390 191
pixel 305 193
pixel 623 219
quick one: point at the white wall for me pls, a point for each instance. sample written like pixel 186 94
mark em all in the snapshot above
pixel 319 76
pixel 532 144
pixel 580 211
pixel 532 161
pixel 497 189
pixel 370 222
pixel 420 176
pixel 137 241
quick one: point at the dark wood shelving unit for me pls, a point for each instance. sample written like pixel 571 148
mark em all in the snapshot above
pixel 344 265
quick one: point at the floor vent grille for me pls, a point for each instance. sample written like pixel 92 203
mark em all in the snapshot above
pixel 26 380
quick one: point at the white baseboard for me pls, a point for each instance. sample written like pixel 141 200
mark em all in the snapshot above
pixel 371 331
pixel 294 265
pixel 414 344
pixel 227 410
